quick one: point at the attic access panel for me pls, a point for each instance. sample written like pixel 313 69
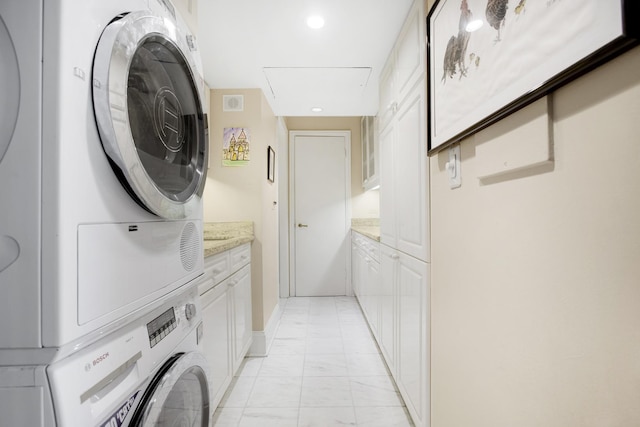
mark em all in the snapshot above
pixel 332 88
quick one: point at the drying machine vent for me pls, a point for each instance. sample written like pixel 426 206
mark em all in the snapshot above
pixel 189 246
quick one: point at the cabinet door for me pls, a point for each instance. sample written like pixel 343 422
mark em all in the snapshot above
pixel 388 321
pixel 240 291
pixel 387 184
pixel 355 271
pixel 386 108
pixel 411 182
pixel 410 51
pixel 363 284
pixel 215 318
pixel 364 135
pixel 373 297
pixel 369 153
pixel 413 336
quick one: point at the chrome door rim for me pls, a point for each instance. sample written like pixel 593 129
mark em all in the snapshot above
pixel 191 362
pixel 116 49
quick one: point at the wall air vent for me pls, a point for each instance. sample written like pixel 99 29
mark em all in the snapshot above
pixel 231 103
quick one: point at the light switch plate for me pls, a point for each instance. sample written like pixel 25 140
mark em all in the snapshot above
pixel 453 166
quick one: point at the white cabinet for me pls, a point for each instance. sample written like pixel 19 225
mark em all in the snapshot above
pixel 404 178
pixel 394 293
pixel 355 268
pixel 411 184
pixel 369 153
pixel 403 164
pixel 240 289
pixel 403 290
pixel 387 186
pixel 405 66
pixel 225 291
pixel 216 343
pixel 410 51
pixel 388 306
pixel 366 278
pixel 412 375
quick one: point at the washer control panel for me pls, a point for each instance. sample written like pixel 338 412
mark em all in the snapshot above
pixel 161 326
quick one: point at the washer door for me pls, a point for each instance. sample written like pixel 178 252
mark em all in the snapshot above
pixel 148 108
pixel 177 396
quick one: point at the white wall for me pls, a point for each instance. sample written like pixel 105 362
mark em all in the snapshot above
pixel 536 278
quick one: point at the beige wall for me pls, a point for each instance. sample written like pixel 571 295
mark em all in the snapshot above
pixel 535 287
pixel 363 204
pixel 244 194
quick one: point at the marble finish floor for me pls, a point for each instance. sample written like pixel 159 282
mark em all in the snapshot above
pixel 324 369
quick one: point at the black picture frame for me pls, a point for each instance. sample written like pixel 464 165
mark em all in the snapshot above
pixel 477 78
pixel 271 164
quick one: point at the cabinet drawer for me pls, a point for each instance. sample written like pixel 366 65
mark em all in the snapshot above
pixel 373 251
pixel 217 267
pixel 240 256
pixel 369 246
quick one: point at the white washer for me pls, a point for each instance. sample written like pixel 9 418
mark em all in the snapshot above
pixel 103 159
pixel 148 373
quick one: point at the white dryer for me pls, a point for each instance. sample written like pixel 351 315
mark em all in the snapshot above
pixel 148 373
pixel 103 160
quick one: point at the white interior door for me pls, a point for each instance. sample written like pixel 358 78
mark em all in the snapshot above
pixel 320 229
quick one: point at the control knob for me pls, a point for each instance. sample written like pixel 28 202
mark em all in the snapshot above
pixel 190 311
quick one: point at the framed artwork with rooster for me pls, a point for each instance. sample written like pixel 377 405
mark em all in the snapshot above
pixel 489 58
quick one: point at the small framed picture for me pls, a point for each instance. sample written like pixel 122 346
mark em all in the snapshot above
pixel 271 164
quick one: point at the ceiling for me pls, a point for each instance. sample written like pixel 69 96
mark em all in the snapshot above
pixel 266 44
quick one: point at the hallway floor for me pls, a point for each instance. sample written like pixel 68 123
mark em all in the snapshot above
pixel 324 369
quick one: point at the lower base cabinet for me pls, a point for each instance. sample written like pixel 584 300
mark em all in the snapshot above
pixel 395 300
pixel 413 374
pixel 239 287
pixel 225 291
pixel 215 313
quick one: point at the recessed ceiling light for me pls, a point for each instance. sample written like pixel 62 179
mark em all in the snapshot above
pixel 316 109
pixel 315 22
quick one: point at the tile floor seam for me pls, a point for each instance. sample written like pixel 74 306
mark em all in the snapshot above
pixel 349 318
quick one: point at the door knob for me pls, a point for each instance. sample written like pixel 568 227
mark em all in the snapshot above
pixel 302 225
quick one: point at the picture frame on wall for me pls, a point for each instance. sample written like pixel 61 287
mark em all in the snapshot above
pixel 271 164
pixel 489 58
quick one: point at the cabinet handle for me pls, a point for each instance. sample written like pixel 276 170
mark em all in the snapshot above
pixel 302 225
pixel 395 256
pixel 232 283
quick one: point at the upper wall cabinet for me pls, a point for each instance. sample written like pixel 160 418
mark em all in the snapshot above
pixel 369 153
pixel 410 51
pixel 405 66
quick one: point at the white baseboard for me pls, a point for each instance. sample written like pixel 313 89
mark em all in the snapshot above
pixel 262 340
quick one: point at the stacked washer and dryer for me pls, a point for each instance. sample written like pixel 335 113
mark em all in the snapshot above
pixel 103 159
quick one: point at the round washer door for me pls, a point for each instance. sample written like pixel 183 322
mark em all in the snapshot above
pixel 148 107
pixel 9 88
pixel 178 395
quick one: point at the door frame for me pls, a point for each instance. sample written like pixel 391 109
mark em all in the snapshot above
pixel 292 202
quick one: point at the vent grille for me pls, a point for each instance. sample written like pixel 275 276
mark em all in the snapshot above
pixel 232 103
pixel 189 246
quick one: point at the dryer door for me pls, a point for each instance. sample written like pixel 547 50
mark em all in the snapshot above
pixel 178 395
pixel 148 105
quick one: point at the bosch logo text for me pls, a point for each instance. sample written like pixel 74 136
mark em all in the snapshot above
pixel 100 359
